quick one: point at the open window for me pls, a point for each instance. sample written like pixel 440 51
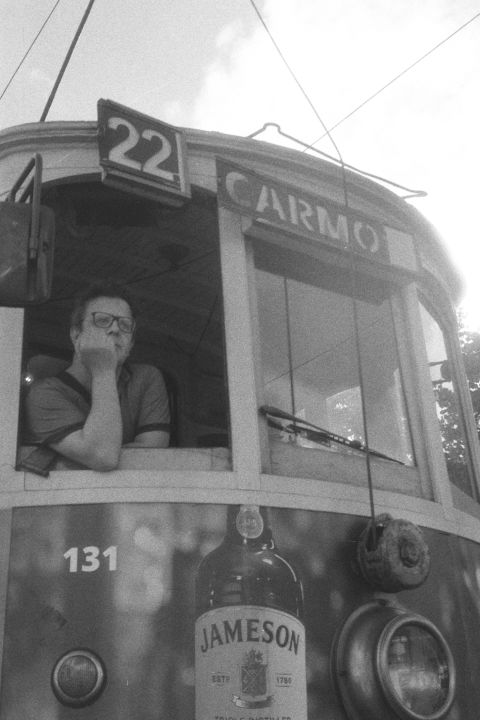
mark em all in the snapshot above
pixel 310 360
pixel 448 405
pixel 168 258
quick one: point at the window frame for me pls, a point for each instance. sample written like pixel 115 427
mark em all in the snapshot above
pixel 413 481
pixel 443 314
pixel 132 460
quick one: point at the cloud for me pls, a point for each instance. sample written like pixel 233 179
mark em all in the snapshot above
pixel 228 35
pixel 38 75
pixel 419 131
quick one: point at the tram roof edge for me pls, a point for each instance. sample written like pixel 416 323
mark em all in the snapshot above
pixel 240 148
pixel 68 131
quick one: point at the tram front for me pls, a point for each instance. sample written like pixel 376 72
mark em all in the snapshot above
pixel 303 320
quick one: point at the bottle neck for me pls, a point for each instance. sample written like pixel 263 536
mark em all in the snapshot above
pixel 249 525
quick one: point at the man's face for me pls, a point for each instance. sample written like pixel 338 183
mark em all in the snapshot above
pixel 114 306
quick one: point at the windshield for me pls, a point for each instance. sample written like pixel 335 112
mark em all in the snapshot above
pixel 309 353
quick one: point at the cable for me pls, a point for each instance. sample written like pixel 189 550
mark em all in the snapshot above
pixel 31 46
pixel 299 85
pixel 365 173
pixel 331 350
pixel 442 42
pixel 289 345
pixel 209 319
pixel 66 61
pixel 128 283
pixel 353 283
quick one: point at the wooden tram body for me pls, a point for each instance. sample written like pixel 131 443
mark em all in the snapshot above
pixel 248 279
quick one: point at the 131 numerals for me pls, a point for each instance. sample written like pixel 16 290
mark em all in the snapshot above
pixel 90 558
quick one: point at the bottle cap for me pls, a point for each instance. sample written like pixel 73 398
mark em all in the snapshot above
pixel 249 522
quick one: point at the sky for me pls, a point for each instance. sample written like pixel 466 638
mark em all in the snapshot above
pixel 210 64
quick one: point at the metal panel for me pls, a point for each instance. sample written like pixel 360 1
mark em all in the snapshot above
pixel 135 606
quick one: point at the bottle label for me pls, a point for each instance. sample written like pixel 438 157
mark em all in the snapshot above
pixel 249 665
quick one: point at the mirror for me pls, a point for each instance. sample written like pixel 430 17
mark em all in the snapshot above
pixel 25 266
pixel 27 237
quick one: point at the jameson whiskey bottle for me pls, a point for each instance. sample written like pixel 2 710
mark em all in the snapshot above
pixel 249 637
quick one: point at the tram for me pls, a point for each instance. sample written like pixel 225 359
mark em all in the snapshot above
pixel 303 318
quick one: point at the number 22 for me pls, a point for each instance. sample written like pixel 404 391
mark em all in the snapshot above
pixel 151 165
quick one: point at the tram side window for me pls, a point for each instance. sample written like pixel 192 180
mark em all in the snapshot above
pixel 168 260
pixel 309 354
pixel 447 404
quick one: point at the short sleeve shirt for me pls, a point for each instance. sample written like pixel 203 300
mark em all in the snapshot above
pixel 57 406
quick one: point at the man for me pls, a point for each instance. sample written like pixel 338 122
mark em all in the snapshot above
pixel 100 402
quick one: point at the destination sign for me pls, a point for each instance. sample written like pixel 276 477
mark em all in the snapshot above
pixel 275 203
pixel 141 154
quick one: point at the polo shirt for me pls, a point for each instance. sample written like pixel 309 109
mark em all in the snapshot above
pixel 59 405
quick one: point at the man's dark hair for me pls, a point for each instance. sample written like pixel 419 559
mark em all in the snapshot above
pixel 108 288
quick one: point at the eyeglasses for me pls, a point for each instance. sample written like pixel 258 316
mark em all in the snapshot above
pixel 105 320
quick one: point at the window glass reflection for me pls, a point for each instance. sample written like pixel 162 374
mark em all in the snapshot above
pixel 310 359
pixel 446 403
pixel 418 670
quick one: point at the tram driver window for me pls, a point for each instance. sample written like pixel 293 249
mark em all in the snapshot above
pixel 309 357
pixel 168 259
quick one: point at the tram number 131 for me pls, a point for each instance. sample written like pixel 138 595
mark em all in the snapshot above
pixel 91 558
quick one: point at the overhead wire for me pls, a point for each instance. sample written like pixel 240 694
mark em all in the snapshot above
pixel 353 283
pixel 66 61
pixel 397 77
pixel 29 49
pixel 142 278
pixel 310 146
pixel 295 78
pixel 365 173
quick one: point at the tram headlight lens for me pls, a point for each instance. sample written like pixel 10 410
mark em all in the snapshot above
pixel 392 664
pixel 78 678
pixel 415 668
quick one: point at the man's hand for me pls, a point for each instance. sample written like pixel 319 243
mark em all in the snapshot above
pixel 96 350
pixel 97 445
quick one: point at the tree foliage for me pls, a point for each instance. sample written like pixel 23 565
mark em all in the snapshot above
pixel 453 437
pixel 470 345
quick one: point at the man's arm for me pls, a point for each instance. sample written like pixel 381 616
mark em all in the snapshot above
pixel 152 439
pixel 97 444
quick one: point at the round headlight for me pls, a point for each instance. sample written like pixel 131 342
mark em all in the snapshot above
pixel 415 668
pixel 392 664
pixel 78 678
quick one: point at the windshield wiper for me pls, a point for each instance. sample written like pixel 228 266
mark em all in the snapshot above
pixel 318 434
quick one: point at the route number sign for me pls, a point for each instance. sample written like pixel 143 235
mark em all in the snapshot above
pixel 142 155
